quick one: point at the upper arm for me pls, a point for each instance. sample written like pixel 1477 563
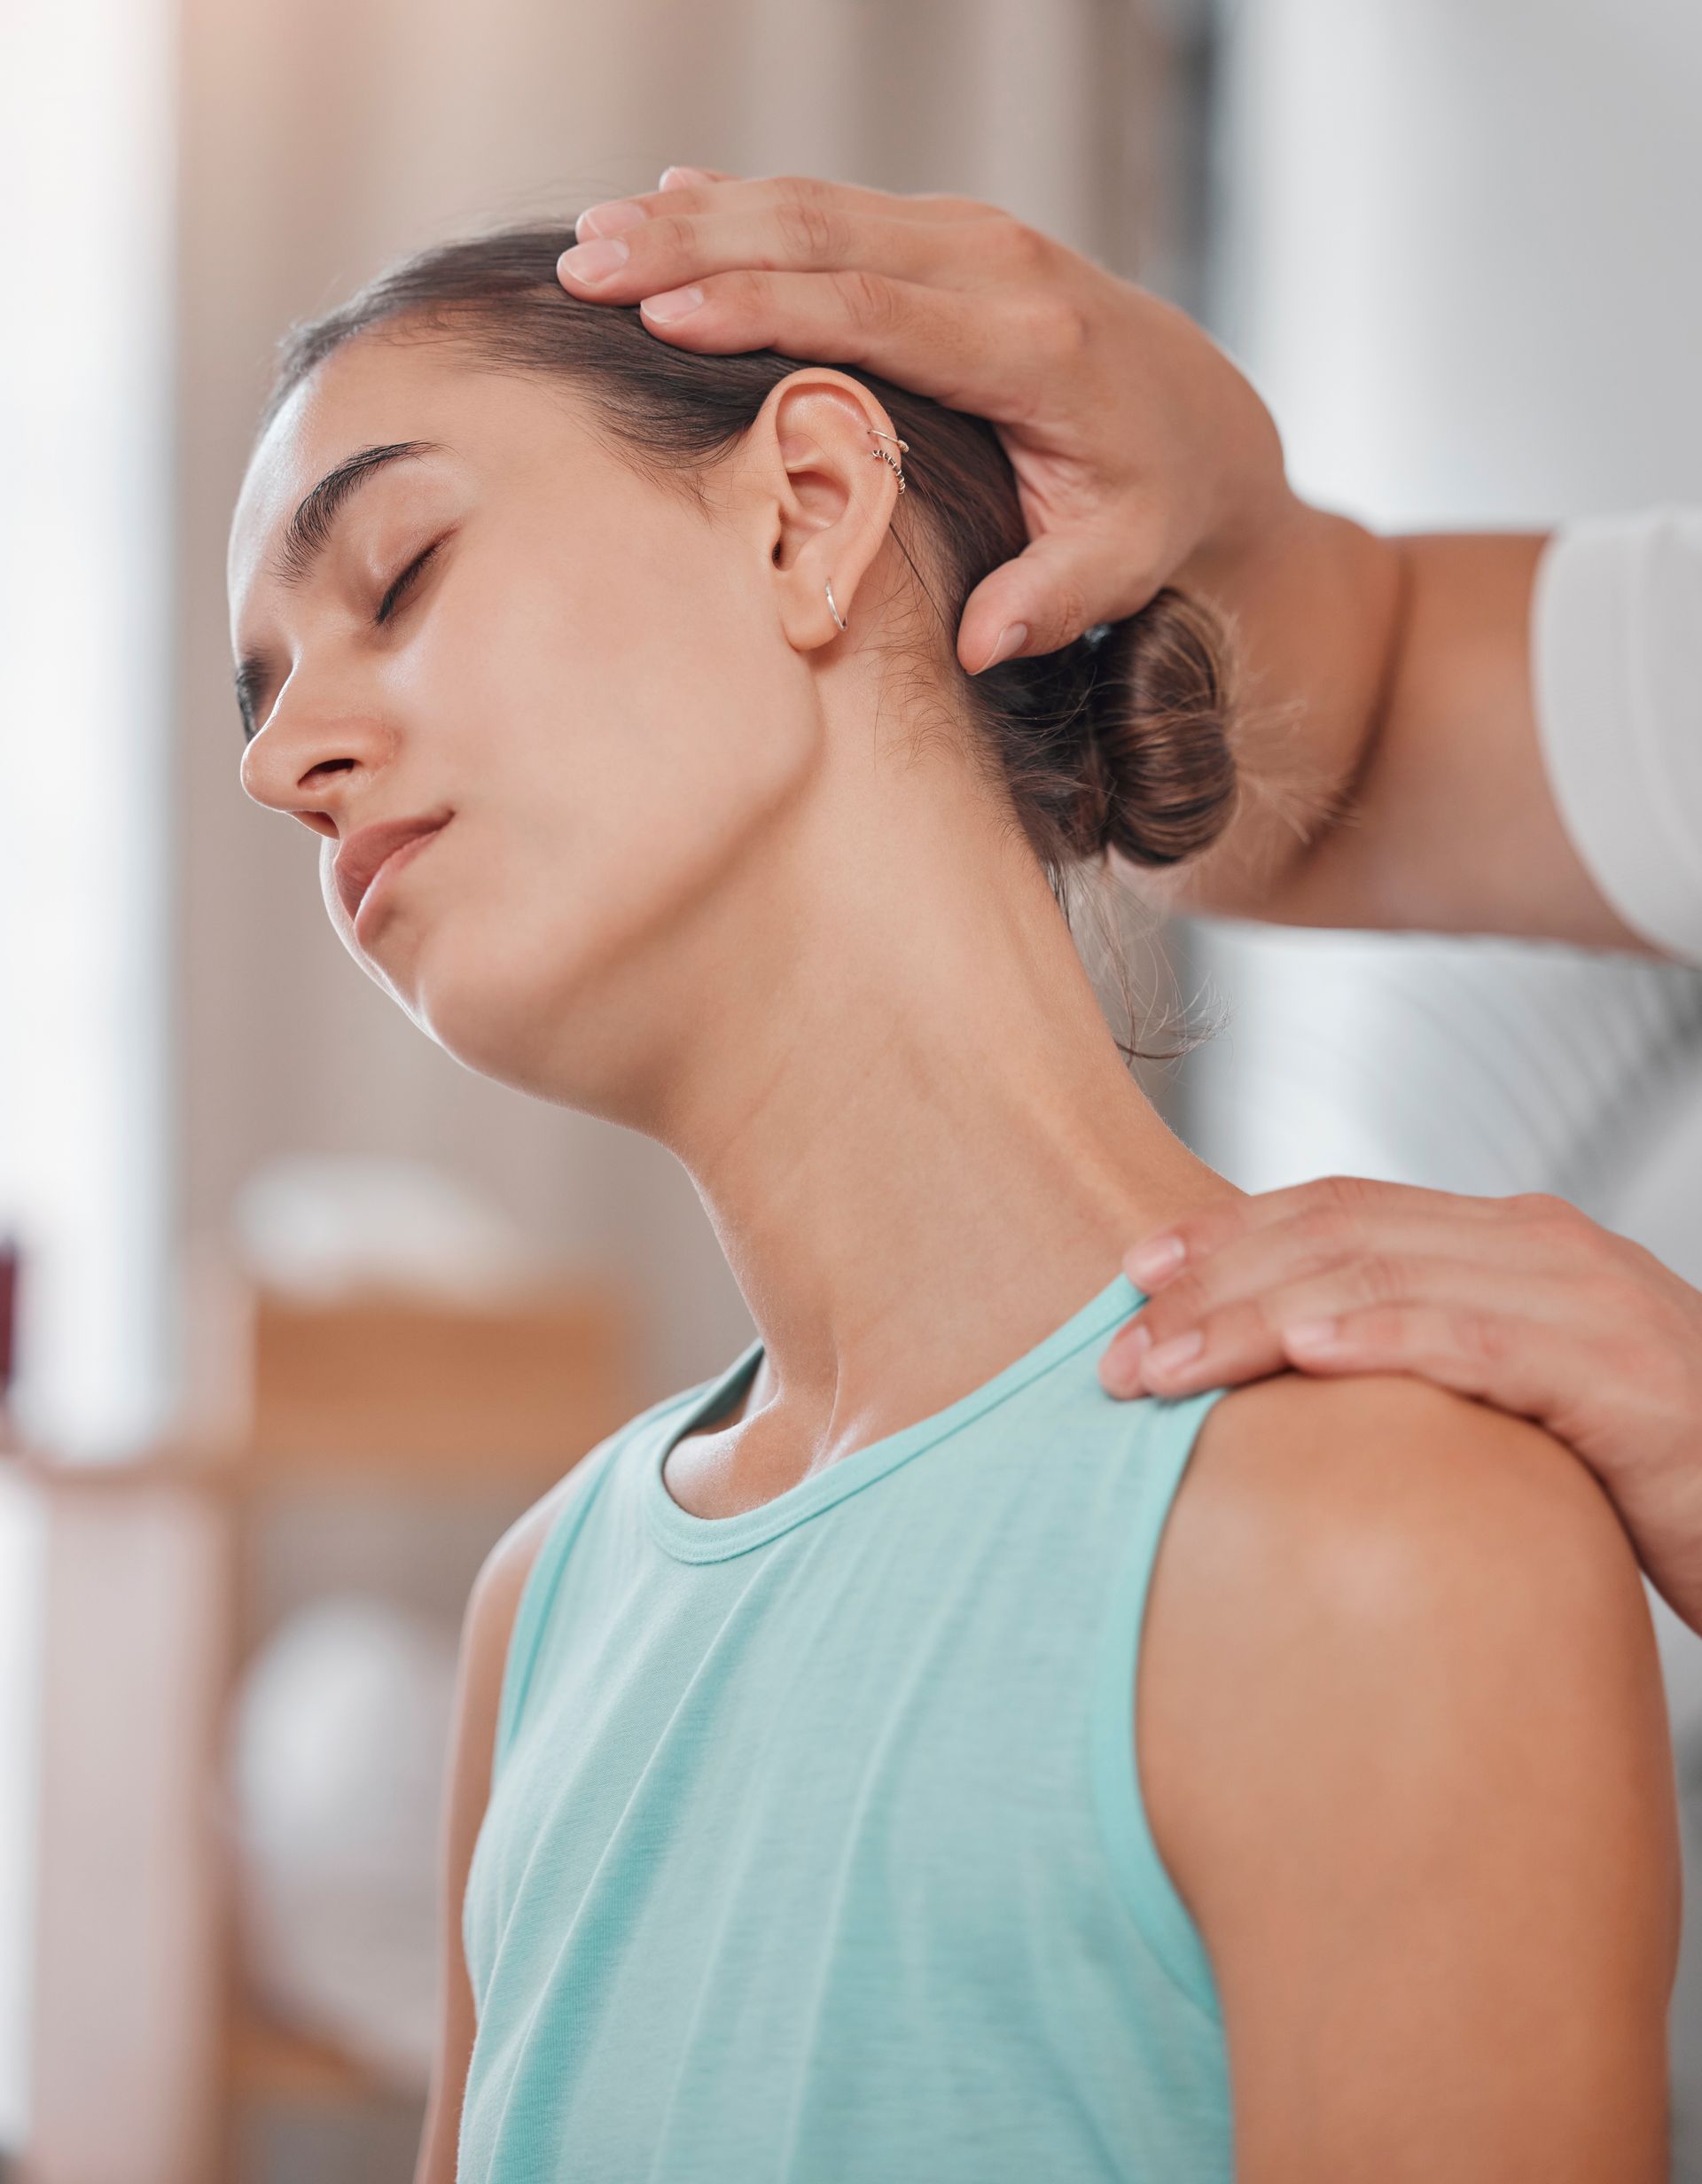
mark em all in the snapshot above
pixel 486 1629
pixel 1405 1747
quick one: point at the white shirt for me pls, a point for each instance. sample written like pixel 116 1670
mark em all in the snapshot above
pixel 1616 656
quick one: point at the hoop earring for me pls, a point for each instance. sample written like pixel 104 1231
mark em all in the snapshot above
pixel 881 456
pixel 828 588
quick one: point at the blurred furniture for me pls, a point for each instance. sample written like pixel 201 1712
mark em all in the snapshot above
pixel 380 1418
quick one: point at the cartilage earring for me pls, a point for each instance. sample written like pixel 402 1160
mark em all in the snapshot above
pixel 828 588
pixel 881 456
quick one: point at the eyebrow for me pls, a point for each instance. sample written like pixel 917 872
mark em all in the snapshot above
pixel 309 533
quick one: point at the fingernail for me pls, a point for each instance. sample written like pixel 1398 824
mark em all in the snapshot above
pixel 1121 1371
pixel 672 303
pixel 1152 1262
pixel 1169 1355
pixel 594 261
pixel 609 219
pixel 677 177
pixel 1012 638
pixel 1316 1335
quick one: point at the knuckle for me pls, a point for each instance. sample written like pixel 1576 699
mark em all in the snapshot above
pixel 811 230
pixel 1249 1330
pixel 868 299
pixel 1550 1218
pixel 1181 1302
pixel 1060 329
pixel 1069 604
pixel 744 296
pixel 1199 1235
pixel 1026 250
pixel 1321 1222
pixel 1071 328
pixel 666 242
pixel 802 188
pixel 1603 1300
pixel 1479 1336
pixel 1066 610
pixel 1384 1280
pixel 1375 1330
pixel 946 203
pixel 1349 1195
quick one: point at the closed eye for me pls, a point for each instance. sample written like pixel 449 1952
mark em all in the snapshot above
pixel 386 605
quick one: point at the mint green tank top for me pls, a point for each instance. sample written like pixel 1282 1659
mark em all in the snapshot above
pixel 815 1850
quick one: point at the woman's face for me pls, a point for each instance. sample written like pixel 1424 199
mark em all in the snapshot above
pixel 597 683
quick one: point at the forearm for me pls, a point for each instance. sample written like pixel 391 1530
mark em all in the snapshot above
pixel 1393 773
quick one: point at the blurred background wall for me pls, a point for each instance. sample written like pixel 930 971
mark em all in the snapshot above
pixel 1452 243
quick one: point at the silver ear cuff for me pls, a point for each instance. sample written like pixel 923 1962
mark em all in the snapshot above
pixel 881 456
pixel 897 469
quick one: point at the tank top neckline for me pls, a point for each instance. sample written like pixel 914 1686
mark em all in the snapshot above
pixel 690 1538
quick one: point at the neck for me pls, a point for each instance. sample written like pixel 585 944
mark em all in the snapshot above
pixel 916 1138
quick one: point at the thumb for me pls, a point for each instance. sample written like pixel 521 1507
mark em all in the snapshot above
pixel 1056 587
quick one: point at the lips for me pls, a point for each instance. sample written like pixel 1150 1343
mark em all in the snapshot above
pixel 357 861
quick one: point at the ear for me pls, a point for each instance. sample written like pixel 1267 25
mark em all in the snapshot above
pixel 829 497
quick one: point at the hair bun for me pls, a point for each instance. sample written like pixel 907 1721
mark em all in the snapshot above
pixel 1158 770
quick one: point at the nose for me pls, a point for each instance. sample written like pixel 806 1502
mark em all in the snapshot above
pixel 307 757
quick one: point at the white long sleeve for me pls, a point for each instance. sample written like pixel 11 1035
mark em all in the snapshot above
pixel 1616 639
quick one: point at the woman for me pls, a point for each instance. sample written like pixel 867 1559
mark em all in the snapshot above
pixel 803 1820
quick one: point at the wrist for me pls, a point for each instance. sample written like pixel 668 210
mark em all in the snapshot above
pixel 1264 530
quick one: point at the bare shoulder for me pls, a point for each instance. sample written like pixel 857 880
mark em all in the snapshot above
pixel 1393 1494
pixel 1403 1742
pixel 496 1596
pixel 486 1627
pixel 1386 1522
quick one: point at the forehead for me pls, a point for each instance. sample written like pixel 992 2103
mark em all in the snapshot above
pixel 375 391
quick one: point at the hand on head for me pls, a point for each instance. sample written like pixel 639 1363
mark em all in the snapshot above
pixel 1138 447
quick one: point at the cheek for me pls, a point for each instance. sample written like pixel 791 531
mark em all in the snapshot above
pixel 631 753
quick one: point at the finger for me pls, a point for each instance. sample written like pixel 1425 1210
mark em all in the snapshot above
pixel 1159 1257
pixel 650 257
pixel 1060 585
pixel 1248 1337
pixel 1124 1362
pixel 1356 1254
pixel 768 195
pixel 1533 1369
pixel 689 178
pixel 929 340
